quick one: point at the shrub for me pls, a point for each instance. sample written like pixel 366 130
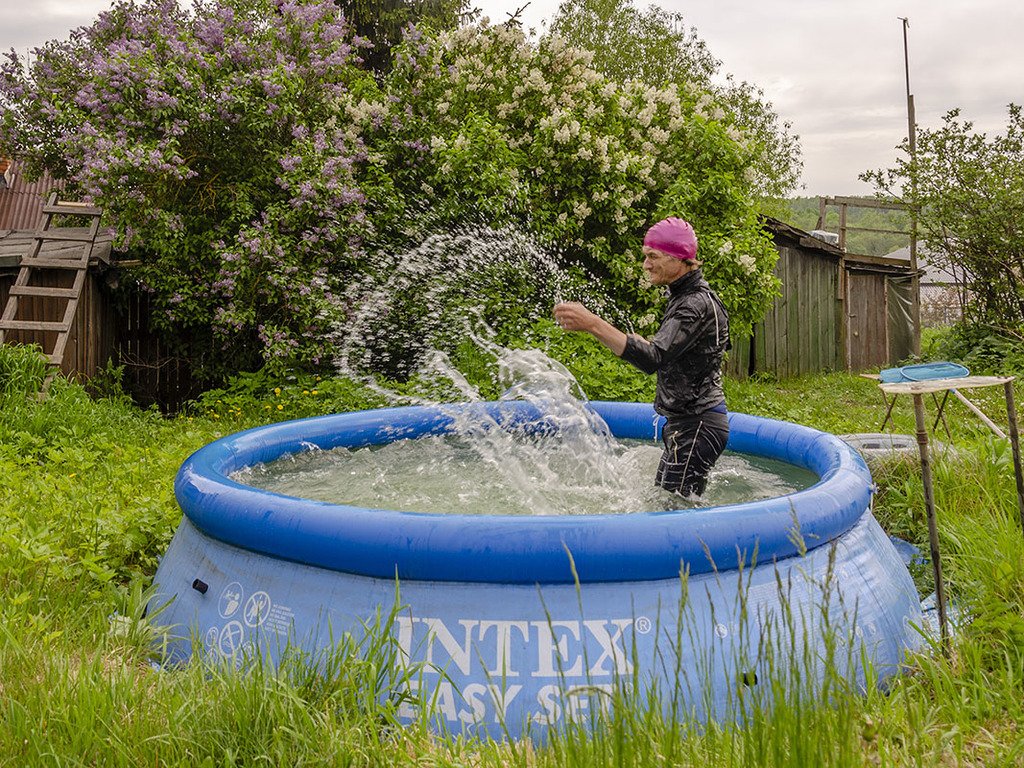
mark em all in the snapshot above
pixel 257 171
pixel 533 134
pixel 206 137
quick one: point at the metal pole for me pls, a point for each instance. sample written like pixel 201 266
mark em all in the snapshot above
pixel 915 279
pixel 933 529
pixel 1011 413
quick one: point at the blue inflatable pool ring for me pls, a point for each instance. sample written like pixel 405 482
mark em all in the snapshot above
pixel 521 622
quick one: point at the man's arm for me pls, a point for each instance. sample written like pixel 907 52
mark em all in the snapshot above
pixel 572 316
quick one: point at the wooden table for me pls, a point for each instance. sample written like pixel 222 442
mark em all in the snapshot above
pixel 917 390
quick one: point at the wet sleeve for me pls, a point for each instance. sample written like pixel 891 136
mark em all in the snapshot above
pixel 675 336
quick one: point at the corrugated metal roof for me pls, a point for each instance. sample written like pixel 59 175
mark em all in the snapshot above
pixel 21 204
pixel 937 275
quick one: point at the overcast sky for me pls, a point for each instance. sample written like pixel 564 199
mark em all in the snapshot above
pixel 834 69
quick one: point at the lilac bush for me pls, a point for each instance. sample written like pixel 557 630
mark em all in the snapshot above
pixel 533 132
pixel 211 139
pixel 255 169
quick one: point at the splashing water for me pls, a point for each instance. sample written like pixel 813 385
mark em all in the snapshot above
pixel 483 471
pixel 428 301
pixel 573 466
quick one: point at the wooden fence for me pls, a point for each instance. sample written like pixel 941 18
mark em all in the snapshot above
pixel 110 325
pixel 153 374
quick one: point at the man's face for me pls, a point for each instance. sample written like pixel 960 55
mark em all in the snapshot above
pixel 661 268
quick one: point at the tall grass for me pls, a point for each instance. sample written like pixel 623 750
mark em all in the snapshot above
pixel 86 508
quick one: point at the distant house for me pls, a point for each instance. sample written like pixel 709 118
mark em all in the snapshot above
pixel 943 291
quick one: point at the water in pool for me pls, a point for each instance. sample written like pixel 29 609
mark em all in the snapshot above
pixel 515 474
pixel 571 465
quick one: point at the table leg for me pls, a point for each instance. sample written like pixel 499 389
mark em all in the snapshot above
pixel 941 414
pixel 933 529
pixel 1011 412
pixel 888 412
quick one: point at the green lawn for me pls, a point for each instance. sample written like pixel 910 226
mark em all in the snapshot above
pixel 86 508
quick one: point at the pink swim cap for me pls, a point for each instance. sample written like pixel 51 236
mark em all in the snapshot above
pixel 673 236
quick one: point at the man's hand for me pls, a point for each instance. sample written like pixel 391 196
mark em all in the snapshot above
pixel 572 316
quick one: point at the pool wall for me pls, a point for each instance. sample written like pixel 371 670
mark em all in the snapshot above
pixel 493 602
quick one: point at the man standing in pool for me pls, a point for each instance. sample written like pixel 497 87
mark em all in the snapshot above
pixel 686 353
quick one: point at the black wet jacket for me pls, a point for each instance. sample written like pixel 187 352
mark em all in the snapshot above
pixel 687 351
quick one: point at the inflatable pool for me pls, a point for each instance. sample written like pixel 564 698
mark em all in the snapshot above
pixel 517 623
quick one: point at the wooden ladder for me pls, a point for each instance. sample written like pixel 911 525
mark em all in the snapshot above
pixel 36 259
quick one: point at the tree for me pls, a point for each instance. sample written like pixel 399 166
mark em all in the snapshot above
pixel 969 191
pixel 382 22
pixel 262 177
pixel 534 133
pixel 205 136
pixel 658 48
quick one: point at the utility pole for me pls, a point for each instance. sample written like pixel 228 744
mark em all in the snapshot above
pixel 915 280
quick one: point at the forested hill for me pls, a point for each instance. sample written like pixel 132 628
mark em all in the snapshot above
pixel 803 213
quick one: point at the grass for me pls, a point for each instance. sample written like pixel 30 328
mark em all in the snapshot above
pixel 86 508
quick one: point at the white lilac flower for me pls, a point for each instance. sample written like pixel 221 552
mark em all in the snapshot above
pixel 659 135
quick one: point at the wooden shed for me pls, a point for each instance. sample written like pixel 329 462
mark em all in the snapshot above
pixel 836 311
pixel 879 326
pixel 92 335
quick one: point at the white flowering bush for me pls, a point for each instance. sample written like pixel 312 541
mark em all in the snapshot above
pixel 658 47
pixel 485 120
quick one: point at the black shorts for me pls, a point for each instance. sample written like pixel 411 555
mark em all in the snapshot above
pixel 692 446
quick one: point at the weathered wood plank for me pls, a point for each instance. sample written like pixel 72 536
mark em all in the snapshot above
pixel 34 325
pixel 867 202
pixel 42 290
pixel 41 263
pixel 941 385
pixel 72 209
pixel 69 235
